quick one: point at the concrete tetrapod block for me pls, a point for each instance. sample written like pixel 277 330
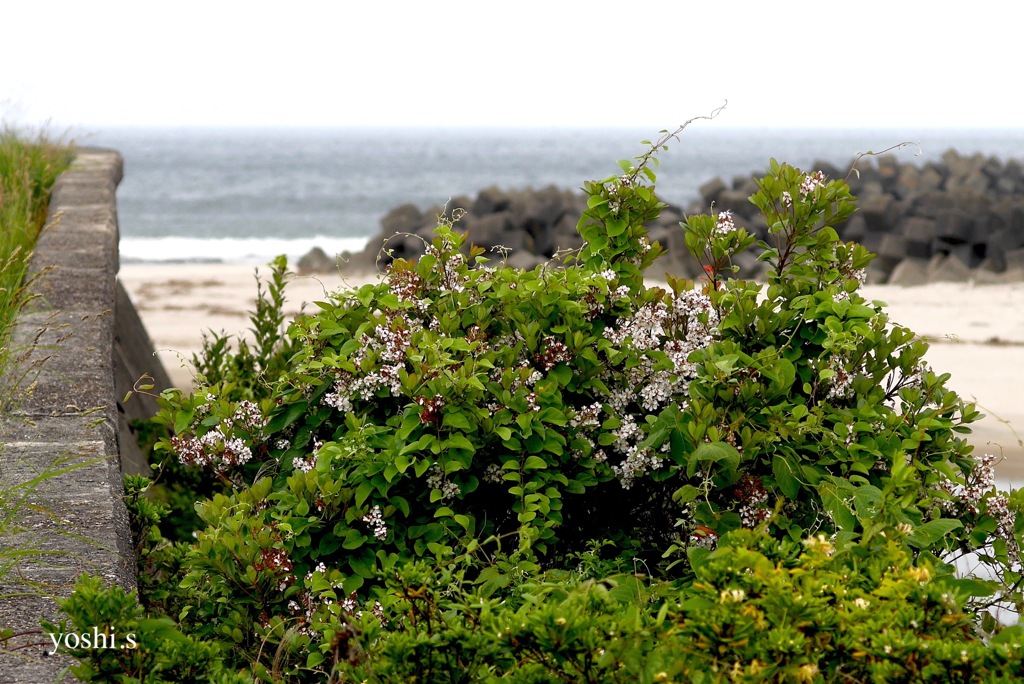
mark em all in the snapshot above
pixel 910 272
pixel 948 269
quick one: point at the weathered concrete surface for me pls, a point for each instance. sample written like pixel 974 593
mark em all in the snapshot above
pixel 88 349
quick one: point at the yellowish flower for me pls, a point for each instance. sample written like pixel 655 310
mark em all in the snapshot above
pixel 807 672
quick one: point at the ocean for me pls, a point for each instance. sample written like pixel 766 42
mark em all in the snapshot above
pixel 247 195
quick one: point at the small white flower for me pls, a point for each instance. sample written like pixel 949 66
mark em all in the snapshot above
pixel 812 182
pixel 725 224
pixel 375 519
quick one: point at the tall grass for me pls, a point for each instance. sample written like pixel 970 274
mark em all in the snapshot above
pixel 29 166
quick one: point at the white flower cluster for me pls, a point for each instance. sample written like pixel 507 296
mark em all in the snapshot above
pixel 431 411
pixel 375 519
pixel 249 417
pixel 754 500
pixel 643 329
pixel 304 465
pixel 307 464
pixel 969 494
pixel 588 416
pixel 554 352
pixel 531 402
pixel 349 605
pixel 611 192
pixel 340 398
pixel 978 491
pixel 627 433
pixel 493 474
pixel 812 182
pixel 685 319
pixel 621 292
pixel 378 612
pixel 636 464
pixel 213 450
pixel 303 610
pixel 388 376
pixel 841 386
pixel 217 449
pixel 998 507
pixel 437 480
pixel 304 605
pixel 405 284
pixel 449 262
pixel 703 539
pixel 725 224
pixel 278 564
pixel 678 328
pixel 392 341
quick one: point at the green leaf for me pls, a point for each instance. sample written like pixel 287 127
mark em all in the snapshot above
pixel 362 564
pixel 784 478
pixel 1011 636
pixel 353 539
pixel 456 421
pixel 714 452
pixel 365 488
pixel 181 421
pixel 627 589
pixel 931 532
pixel 535 463
pixel 616 227
pixel 458 441
pixel 163 629
pixel 839 512
pixel 283 420
pixel 868 501
pixel 684 494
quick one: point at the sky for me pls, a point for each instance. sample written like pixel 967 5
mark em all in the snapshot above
pixel 552 63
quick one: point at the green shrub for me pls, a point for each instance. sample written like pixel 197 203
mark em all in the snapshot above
pixel 759 609
pixel 533 422
pixel 134 648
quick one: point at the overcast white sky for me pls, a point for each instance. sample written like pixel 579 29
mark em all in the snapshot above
pixel 96 63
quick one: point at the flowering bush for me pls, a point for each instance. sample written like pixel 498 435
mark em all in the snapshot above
pixel 462 409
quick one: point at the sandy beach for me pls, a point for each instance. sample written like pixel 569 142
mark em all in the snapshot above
pixel 976 331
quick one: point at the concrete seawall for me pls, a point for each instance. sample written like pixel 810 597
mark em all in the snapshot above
pixel 89 348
